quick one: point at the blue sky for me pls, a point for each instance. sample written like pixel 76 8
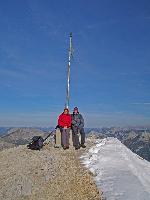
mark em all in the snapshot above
pixel 110 71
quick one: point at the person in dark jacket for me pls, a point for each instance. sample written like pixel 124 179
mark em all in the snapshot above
pixel 77 127
pixel 64 123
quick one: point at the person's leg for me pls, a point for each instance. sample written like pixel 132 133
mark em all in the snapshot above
pixel 67 137
pixel 82 132
pixel 75 137
pixel 61 130
pixel 64 138
pixel 70 138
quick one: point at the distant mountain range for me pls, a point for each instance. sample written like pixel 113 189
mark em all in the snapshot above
pixel 139 143
pixel 136 139
pixel 3 130
pixel 19 136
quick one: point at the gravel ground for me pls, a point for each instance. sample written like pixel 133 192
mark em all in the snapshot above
pixel 52 174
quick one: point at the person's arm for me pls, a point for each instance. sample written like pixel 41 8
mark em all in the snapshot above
pixel 69 122
pixel 60 122
pixel 73 122
pixel 81 121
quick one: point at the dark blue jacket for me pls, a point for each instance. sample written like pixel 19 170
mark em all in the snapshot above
pixel 77 120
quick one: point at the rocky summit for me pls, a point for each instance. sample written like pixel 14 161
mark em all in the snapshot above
pixel 48 174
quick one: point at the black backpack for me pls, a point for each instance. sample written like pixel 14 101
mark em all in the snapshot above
pixel 36 144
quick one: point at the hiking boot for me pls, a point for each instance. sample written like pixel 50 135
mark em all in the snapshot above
pixel 77 147
pixel 83 146
pixel 64 147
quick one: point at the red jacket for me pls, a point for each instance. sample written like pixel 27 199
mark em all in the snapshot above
pixel 64 120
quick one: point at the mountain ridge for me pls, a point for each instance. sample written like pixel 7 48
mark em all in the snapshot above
pixel 120 173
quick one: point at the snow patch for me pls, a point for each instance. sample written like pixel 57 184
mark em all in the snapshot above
pixel 119 173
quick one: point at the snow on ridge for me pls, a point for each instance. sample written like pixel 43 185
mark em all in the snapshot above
pixel 119 173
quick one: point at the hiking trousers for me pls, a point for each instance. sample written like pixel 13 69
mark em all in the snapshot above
pixel 75 136
pixel 65 134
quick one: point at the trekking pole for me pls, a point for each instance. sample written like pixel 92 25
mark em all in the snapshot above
pixel 68 76
pixel 48 135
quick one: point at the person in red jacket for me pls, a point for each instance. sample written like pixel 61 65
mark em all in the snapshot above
pixel 64 123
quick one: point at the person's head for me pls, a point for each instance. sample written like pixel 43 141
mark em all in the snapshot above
pixel 75 110
pixel 66 111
